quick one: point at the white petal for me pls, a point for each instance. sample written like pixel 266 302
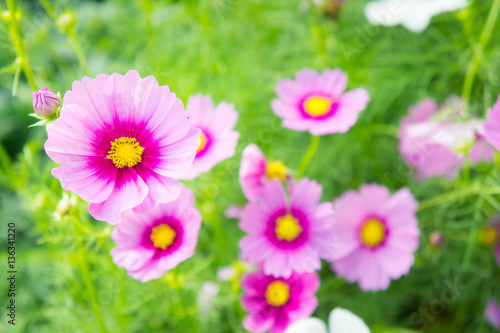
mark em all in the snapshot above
pixel 344 321
pixel 307 325
pixel 415 15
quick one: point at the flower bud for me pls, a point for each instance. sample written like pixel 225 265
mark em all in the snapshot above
pixel 63 206
pixel 436 239
pixel 46 103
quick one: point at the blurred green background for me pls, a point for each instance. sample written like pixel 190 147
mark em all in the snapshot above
pixel 237 50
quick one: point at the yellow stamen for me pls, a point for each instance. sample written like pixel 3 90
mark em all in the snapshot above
pixel 373 233
pixel 162 236
pixel 125 151
pixel 488 236
pixel 317 106
pixel 203 142
pixel 276 170
pixel 287 228
pixel 277 293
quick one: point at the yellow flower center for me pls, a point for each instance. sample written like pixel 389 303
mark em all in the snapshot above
pixel 373 233
pixel 162 236
pixel 488 236
pixel 125 151
pixel 317 106
pixel 203 142
pixel 287 228
pixel 277 293
pixel 276 170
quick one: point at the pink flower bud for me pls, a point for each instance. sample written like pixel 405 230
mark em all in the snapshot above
pixel 436 239
pixel 46 103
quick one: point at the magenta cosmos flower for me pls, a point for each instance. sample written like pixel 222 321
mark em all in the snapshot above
pixel 275 303
pixel 287 235
pixel 218 137
pixel 492 313
pixel 318 103
pixel 376 235
pixel 119 140
pixel 256 172
pixel 151 244
pixel 434 141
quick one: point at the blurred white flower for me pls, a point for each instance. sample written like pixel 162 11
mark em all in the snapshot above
pixel 206 297
pixel 414 15
pixel 460 137
pixel 340 321
pixel 226 273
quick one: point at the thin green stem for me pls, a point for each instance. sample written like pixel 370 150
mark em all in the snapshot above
pixel 313 146
pixel 450 196
pixel 466 169
pixel 14 28
pixel 472 235
pixel 80 54
pixel 479 49
pixel 69 31
pixel 87 278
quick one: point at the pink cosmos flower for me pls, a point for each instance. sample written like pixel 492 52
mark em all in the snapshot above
pixel 218 137
pixel 492 313
pixel 275 303
pixel 256 172
pixel 119 140
pixel 287 235
pixel 492 126
pixel 318 103
pixel 46 103
pixel 151 244
pixel 434 141
pixel 376 235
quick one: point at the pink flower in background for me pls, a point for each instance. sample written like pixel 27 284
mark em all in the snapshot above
pixel 256 172
pixel 492 313
pixel 151 244
pixel 119 139
pixel 218 137
pixel 275 303
pixel 318 103
pixel 46 103
pixel 287 235
pixel 434 141
pixel 492 126
pixel 376 235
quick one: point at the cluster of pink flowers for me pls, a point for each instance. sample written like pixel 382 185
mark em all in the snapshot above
pixel 123 142
pixel 368 236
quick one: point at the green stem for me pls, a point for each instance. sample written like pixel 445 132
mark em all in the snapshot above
pixel 87 278
pixel 471 242
pixel 313 146
pixel 80 54
pixel 466 169
pixel 479 49
pixel 17 40
pixel 440 199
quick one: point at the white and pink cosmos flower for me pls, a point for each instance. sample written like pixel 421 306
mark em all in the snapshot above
pixel 218 138
pixel 435 141
pixel 376 235
pixel 148 245
pixel 318 103
pixel 120 139
pixel 287 232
